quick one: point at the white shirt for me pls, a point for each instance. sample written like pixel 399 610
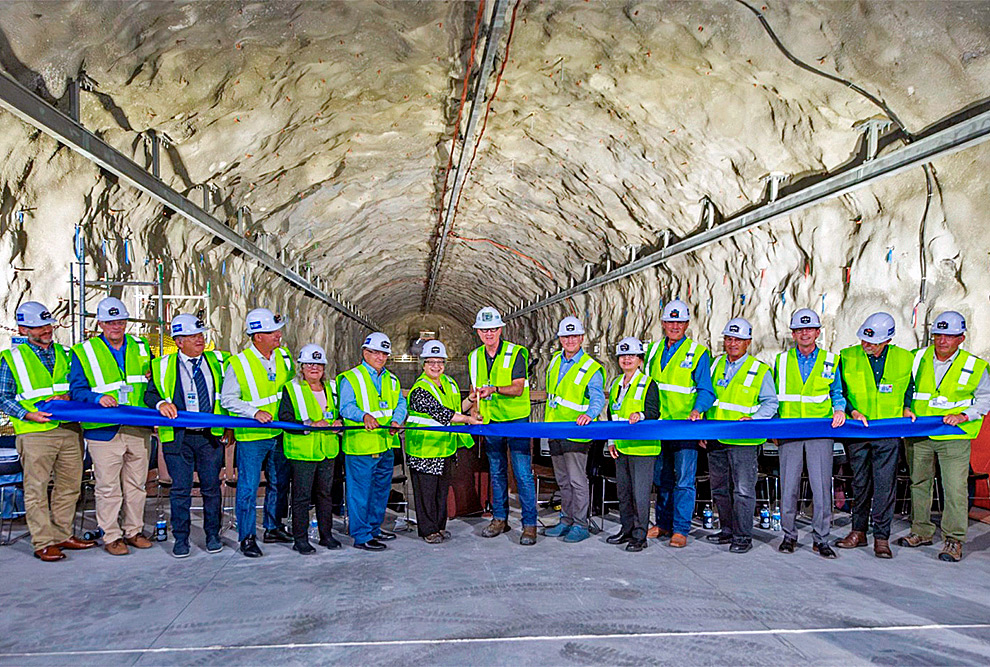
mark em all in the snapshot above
pixel 187 385
pixel 230 394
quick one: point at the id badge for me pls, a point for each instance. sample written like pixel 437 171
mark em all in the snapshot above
pixel 383 404
pixel 124 392
pixel 615 408
pixel 328 415
pixel 828 376
pixel 553 404
pixel 191 399
pixel 271 376
pixel 722 383
pixel 686 363
pixel 940 402
pixel 886 389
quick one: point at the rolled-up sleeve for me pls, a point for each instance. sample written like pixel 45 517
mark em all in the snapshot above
pixel 230 396
pixel 981 398
pixel 767 399
pixel 348 402
pixel 8 390
pixel 595 391
pixel 704 397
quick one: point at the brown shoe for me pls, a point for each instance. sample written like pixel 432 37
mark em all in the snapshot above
pixel 139 541
pixel 656 531
pixel 913 540
pixel 49 554
pixel 678 541
pixel 881 548
pixel 76 544
pixel 495 528
pixel 528 537
pixel 951 551
pixel 117 547
pixel 855 538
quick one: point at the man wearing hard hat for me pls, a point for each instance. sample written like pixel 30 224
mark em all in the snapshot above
pixel 252 386
pixel 370 397
pixel 876 379
pixel 808 387
pixel 113 369
pixel 31 373
pixel 190 381
pixel 954 384
pixel 743 391
pixel 575 393
pixel 680 367
pixel 500 376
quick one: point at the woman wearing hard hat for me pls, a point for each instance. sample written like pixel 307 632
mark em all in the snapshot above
pixel 435 400
pixel 311 453
pixel 633 397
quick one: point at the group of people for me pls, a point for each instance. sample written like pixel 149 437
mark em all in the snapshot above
pixel 674 378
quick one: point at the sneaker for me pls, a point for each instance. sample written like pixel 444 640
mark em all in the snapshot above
pixel 576 534
pixel 213 544
pixel 180 549
pixel 557 531
pixel 434 538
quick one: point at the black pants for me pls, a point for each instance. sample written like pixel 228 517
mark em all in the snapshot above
pixel 634 481
pixel 202 453
pixel 874 467
pixel 309 479
pixel 732 471
pixel 430 492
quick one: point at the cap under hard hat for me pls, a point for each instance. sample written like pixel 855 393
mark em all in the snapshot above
pixel 262 320
pixel 676 311
pixel 570 326
pixel 738 327
pixel 629 345
pixel 433 349
pixel 378 342
pixel 878 328
pixel 949 323
pixel 805 318
pixel 33 314
pixel 111 309
pixel 312 354
pixel 187 325
pixel 488 318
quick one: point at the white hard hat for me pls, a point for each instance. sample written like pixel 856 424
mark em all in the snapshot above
pixel 33 314
pixel 262 320
pixel 488 318
pixel 950 322
pixel 570 326
pixel 187 325
pixel 805 318
pixel 111 309
pixel 629 345
pixel 378 342
pixel 738 327
pixel 433 349
pixel 312 354
pixel 676 311
pixel 878 328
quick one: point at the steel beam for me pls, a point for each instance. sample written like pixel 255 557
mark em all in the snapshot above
pixel 956 137
pixel 33 110
pixel 467 144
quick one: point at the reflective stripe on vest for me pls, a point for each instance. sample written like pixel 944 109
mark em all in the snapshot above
pixel 165 376
pixel 675 380
pixel 952 395
pixel 362 442
pixel 813 392
pixel 745 384
pixel 498 407
pixel 312 445
pixel 35 382
pixel 633 401
pixel 863 393
pixel 435 444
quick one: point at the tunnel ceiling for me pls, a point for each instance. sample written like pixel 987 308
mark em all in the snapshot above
pixel 333 121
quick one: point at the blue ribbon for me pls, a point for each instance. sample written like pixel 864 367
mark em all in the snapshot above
pixel 784 429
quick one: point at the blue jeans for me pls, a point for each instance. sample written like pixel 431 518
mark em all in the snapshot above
pixel 676 465
pixel 201 453
pixel 251 456
pixel 522 468
pixel 369 482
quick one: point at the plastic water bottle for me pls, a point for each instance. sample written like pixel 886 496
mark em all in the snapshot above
pixel 708 517
pixel 161 530
pixel 314 530
pixel 93 534
pixel 764 517
pixel 775 518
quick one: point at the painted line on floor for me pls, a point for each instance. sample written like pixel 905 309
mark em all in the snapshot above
pixel 497 640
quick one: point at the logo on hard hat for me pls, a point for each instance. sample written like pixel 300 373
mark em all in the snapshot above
pixel 277 318
pixel 734 328
pixel 367 341
pixel 200 324
pixel 387 345
pixel 114 311
pixel 869 332
pixel 317 355
pixel 942 325
pixel 890 331
pixel 20 317
pixel 675 313
pixel 435 349
pixel 254 325
pixel 487 317
pixel 569 327
pixel 805 319
pixel 176 328
pixel 624 347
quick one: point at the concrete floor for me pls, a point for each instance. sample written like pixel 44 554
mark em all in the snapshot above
pixel 476 601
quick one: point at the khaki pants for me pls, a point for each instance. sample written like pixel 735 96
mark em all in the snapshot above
pixel 121 470
pixel 953 461
pixel 46 454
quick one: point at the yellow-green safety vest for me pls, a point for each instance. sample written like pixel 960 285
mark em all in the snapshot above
pixel 634 401
pixel 315 445
pixel 164 373
pixel 805 399
pixel 741 396
pixel 259 388
pixel 885 401
pixel 567 399
pixel 953 395
pixel 675 381
pixel 104 375
pixel 35 384
pixel 499 408
pixel 381 406
pixel 435 444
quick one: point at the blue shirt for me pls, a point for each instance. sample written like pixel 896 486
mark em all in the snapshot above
pixel 348 401
pixel 595 391
pixel 8 383
pixel 79 389
pixel 704 399
pixel 806 363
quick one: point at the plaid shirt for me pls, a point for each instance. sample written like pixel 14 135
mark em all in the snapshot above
pixel 8 384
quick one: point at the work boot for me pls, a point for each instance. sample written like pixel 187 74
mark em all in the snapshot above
pixel 881 548
pixel 824 550
pixel 528 537
pixel 495 528
pixel 678 541
pixel 855 538
pixel 951 551
pixel 657 531
pixel 913 540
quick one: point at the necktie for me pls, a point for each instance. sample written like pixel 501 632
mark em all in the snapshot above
pixel 202 391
